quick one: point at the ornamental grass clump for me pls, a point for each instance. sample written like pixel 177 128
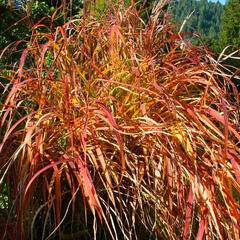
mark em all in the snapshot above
pixel 113 126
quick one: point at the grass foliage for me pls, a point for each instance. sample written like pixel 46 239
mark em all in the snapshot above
pixel 112 126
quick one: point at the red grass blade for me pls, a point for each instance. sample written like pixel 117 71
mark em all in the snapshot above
pixel 43 170
pixel 188 212
pixel 85 181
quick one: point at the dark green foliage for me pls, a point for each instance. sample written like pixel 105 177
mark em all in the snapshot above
pixel 13 28
pixel 206 18
pixel 16 23
pixel 10 30
pixel 230 34
pixel 230 31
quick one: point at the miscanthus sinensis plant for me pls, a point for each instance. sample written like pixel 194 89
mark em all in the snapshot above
pixel 117 128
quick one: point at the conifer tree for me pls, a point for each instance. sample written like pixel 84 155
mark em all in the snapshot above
pixel 230 30
pixel 230 35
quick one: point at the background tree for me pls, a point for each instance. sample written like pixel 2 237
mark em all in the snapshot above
pixel 230 35
pixel 206 19
pixel 230 30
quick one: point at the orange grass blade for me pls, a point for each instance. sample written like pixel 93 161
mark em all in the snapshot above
pixel 41 171
pixel 85 181
pixel 119 138
pixel 188 212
